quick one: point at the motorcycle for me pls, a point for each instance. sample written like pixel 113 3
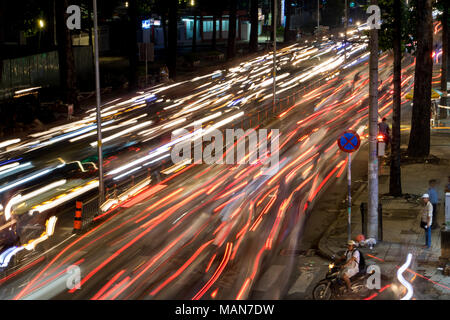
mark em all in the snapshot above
pixel 333 287
pixel 383 141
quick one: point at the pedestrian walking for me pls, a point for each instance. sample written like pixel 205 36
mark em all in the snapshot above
pixel 427 218
pixel 432 192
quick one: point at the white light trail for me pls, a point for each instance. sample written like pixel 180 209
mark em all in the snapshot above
pixel 19 198
pixel 403 281
pixel 66 197
pixel 25 180
pixel 127 173
pixel 6 256
pixel 138 161
pixel 157 159
pixel 124 132
pixel 8 166
pixel 9 142
pixel 26 90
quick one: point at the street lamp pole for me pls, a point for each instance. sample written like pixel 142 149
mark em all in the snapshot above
pixel 41 26
pixel 274 51
pixel 99 117
pixel 345 35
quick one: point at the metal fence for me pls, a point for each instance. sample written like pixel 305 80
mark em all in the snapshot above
pixel 42 70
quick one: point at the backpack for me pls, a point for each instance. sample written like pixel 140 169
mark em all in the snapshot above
pixel 362 262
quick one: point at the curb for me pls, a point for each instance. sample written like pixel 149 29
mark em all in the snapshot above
pixel 323 248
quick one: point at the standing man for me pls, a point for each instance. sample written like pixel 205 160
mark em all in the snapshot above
pixel 383 128
pixel 434 201
pixel 427 218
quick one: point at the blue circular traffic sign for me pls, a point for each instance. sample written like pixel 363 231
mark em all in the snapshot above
pixel 349 141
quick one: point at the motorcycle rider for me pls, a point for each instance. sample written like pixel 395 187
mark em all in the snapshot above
pixel 351 266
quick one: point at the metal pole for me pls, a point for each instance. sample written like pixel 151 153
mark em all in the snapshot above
pixel 345 35
pixel 101 193
pixel 349 208
pixel 274 51
pixel 373 130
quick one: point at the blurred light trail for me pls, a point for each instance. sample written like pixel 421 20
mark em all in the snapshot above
pixel 180 270
pixel 217 273
pixel 19 198
pixel 65 197
pixel 27 179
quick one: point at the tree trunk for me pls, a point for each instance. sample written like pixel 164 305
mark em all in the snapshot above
pixel 2 36
pixel 253 44
pixel 220 26
pixel 279 12
pixel 89 7
pixel 214 33
pixel 231 47
pixel 173 37
pixel 2 33
pixel 395 181
pixel 67 76
pixel 287 31
pixel 419 139
pixel 273 22
pixel 164 26
pixel 201 27
pixel 194 35
pixel 445 55
pixel 132 45
pixel 239 25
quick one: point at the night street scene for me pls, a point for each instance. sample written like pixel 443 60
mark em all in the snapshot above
pixel 259 150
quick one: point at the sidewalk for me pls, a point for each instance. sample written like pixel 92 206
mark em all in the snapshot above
pixel 401 222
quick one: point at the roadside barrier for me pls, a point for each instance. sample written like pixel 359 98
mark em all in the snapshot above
pixel 77 222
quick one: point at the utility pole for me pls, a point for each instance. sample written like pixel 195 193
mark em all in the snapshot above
pixel 445 55
pixel 373 131
pixel 274 52
pixel 101 194
pixel 349 202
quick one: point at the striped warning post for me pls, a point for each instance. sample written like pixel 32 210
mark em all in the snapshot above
pixel 77 223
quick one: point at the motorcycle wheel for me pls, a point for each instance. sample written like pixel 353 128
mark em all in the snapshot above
pixel 320 291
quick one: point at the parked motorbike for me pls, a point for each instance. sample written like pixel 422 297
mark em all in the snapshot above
pixel 383 141
pixel 333 287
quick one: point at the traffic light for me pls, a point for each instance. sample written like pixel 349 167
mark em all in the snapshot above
pixel 352 4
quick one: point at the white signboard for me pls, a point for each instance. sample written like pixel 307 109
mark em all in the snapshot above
pixel 447 208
